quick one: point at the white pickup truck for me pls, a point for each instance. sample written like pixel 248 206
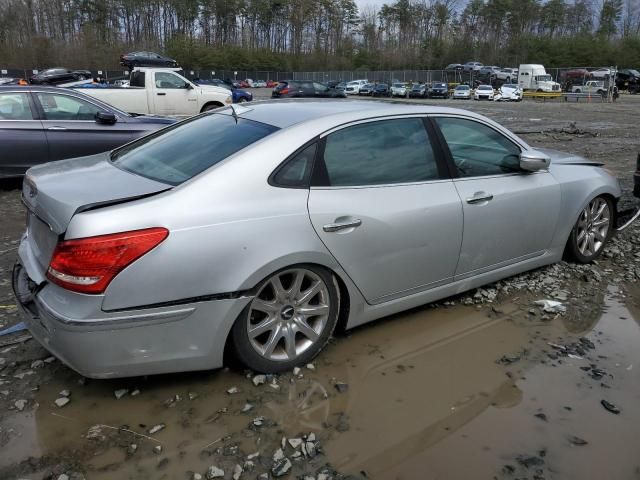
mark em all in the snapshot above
pixel 162 91
pixel 592 86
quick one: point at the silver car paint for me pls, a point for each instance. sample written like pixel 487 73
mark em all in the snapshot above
pixel 230 229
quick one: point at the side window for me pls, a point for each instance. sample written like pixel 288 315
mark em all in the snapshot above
pixel 477 149
pixel 137 79
pixel 168 80
pixel 15 106
pixel 63 107
pixel 380 153
pixel 319 87
pixel 296 172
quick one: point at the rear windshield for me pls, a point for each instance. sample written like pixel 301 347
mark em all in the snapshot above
pixel 181 152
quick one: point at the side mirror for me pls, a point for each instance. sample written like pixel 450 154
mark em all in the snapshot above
pixel 188 86
pixel 534 161
pixel 106 118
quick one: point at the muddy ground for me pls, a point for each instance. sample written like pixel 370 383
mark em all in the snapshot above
pixel 484 385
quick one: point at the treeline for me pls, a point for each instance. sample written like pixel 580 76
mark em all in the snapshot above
pixel 308 35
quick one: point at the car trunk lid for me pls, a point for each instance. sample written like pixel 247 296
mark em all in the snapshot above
pixel 53 193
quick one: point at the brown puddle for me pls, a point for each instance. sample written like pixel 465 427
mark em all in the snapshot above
pixel 425 399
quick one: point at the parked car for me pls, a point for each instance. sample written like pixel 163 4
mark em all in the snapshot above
pixel 509 92
pixel 438 89
pixel 146 59
pixel 42 124
pixel 13 81
pixel 456 67
pixel 483 92
pixel 418 90
pixel 592 86
pixel 575 75
pixel 162 91
pixel 304 88
pixel 507 74
pixel 237 94
pixel 628 79
pixel 259 84
pixel 342 86
pixel 121 260
pixel 489 71
pixel 367 89
pixel 600 73
pixel 462 92
pixel 472 66
pixel 56 76
pixel 353 87
pixel 399 89
pixel 381 90
pixel 122 83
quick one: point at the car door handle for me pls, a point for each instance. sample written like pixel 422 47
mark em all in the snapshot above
pixel 480 197
pixel 161 93
pixel 56 128
pixel 335 227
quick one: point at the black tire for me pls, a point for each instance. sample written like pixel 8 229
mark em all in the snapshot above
pixel 248 355
pixel 210 106
pixel 572 250
pixel 242 100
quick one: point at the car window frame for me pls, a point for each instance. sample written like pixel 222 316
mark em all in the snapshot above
pixel 43 116
pixel 35 112
pixel 453 169
pixel 319 175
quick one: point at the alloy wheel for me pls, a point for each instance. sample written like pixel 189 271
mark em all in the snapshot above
pixel 592 228
pixel 288 315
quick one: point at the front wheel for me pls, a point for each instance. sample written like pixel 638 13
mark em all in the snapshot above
pixel 289 321
pixel 242 100
pixel 592 230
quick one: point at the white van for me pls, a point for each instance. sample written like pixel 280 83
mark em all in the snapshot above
pixel 535 77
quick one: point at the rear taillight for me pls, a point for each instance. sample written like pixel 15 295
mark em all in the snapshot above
pixel 87 265
pixel 284 90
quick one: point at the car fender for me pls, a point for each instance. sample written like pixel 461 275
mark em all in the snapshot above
pixel 579 185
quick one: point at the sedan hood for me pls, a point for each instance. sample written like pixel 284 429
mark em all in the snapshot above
pixel 56 191
pixel 564 158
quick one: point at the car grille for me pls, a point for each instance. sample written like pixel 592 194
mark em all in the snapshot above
pixel 556 87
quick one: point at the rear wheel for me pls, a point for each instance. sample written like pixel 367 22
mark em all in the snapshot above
pixel 592 230
pixel 289 321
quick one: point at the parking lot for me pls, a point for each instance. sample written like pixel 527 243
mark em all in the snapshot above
pixel 487 384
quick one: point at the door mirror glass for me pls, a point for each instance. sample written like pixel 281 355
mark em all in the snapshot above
pixel 106 118
pixel 533 161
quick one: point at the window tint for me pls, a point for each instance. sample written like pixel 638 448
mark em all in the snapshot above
pixel 296 172
pixel 168 80
pixel 378 153
pixel 64 107
pixel 182 152
pixel 478 149
pixel 15 106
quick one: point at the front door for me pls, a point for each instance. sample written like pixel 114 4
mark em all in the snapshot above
pixel 509 215
pixel 22 140
pixel 72 131
pixel 172 95
pixel 382 205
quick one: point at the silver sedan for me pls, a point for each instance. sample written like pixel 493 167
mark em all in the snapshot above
pixel 257 231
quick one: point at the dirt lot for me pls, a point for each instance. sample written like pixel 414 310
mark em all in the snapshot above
pixel 484 385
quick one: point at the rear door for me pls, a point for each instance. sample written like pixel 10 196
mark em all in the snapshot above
pixel 71 129
pixel 22 140
pixel 509 215
pixel 172 97
pixel 382 204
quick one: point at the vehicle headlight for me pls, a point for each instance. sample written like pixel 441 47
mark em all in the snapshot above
pixel 229 100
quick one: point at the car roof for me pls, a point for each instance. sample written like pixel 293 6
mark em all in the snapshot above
pixel 286 113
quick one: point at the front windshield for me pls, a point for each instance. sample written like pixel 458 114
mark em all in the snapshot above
pixel 398 85
pixel 462 87
pixel 181 152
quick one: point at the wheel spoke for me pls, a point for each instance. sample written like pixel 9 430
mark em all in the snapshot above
pixel 314 310
pixel 263 327
pixel 601 223
pixel 305 329
pixel 296 284
pixel 290 342
pixel 592 247
pixel 264 306
pixel 600 211
pixel 278 289
pixel 598 235
pixel 581 235
pixel 311 292
pixel 275 337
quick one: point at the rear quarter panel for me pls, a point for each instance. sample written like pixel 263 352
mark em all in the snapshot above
pixel 132 99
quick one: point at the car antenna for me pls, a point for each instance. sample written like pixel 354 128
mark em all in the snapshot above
pixel 234 114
